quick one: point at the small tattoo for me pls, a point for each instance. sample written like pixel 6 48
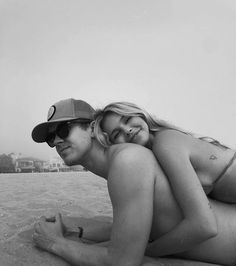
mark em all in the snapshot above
pixel 213 157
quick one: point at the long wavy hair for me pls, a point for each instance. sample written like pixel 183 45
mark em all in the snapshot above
pixel 130 109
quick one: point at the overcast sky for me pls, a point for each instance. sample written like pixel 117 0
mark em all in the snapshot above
pixel 175 58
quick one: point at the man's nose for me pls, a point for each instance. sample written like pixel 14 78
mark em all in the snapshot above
pixel 57 140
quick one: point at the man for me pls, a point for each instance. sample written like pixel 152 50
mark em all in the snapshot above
pixel 143 205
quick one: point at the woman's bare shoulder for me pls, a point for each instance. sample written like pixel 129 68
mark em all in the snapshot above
pixel 171 137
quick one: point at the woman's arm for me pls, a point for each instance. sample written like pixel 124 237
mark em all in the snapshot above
pixel 199 223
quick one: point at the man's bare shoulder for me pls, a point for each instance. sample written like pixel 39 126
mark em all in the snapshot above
pixel 129 152
pixel 133 158
pixel 131 167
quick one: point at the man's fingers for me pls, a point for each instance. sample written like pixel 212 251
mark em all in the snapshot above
pixel 58 217
pixel 37 227
pixel 34 235
pixel 43 218
pixel 37 239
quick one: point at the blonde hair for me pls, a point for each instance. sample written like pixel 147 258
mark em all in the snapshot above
pixel 130 109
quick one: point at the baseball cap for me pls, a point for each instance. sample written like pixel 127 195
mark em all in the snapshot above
pixel 65 110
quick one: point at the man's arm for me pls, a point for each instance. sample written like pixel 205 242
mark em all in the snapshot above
pixel 95 230
pixel 131 187
pixel 80 254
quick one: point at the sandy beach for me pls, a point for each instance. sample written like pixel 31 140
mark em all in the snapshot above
pixel 26 197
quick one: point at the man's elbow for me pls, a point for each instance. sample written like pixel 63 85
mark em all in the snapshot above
pixel 105 261
pixel 122 260
pixel 209 228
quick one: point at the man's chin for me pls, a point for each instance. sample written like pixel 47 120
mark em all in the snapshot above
pixel 68 160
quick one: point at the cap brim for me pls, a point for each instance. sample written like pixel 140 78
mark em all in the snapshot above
pixel 40 132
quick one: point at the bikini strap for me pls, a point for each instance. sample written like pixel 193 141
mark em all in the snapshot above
pixel 226 167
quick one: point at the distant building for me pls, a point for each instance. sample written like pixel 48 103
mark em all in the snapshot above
pixel 56 164
pixel 31 165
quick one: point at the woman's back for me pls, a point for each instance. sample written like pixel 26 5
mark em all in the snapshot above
pixel 214 165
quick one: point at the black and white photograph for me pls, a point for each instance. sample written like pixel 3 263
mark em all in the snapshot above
pixel 118 142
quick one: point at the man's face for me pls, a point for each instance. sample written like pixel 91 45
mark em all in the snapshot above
pixel 74 148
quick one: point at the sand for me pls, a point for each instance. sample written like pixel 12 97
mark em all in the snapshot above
pixel 26 197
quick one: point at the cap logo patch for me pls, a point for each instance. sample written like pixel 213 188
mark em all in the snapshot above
pixel 51 112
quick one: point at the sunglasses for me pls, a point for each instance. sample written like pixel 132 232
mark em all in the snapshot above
pixel 62 131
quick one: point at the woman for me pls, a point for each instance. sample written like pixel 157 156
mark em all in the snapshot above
pixel 202 158
pixel 195 166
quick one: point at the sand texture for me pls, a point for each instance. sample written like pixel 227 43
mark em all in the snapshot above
pixel 26 197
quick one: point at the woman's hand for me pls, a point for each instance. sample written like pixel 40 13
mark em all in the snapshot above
pixel 47 233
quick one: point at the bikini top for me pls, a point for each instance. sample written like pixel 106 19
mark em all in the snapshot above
pixel 226 168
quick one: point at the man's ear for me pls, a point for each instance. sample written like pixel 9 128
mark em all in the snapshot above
pixel 92 124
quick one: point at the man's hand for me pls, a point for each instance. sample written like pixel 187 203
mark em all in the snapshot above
pixel 67 225
pixel 46 233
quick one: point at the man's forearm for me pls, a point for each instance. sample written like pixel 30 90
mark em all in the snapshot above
pixel 99 233
pixel 77 253
pixel 93 230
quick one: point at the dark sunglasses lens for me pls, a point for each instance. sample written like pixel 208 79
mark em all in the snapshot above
pixel 50 139
pixel 62 131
